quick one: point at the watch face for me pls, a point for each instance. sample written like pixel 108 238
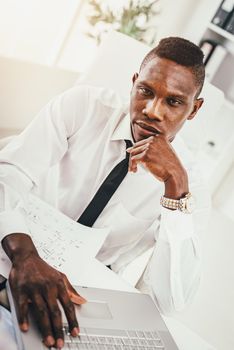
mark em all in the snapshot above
pixel 190 204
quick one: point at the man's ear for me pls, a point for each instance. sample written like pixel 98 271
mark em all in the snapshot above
pixel 134 78
pixel 197 105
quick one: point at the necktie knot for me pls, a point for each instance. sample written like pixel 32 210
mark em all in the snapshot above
pixel 128 143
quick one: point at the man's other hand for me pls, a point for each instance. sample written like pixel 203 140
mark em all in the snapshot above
pixel 35 282
pixel 156 154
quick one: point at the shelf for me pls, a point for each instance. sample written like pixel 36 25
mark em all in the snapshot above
pixel 221 32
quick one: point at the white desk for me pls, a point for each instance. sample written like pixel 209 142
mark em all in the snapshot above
pixel 97 275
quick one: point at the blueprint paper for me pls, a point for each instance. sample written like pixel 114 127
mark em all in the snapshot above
pixel 59 240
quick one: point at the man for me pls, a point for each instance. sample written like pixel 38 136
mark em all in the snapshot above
pixel 85 131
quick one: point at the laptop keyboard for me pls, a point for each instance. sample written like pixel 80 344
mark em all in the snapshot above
pixel 99 339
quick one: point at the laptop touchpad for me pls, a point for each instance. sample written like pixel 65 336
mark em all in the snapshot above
pixel 95 309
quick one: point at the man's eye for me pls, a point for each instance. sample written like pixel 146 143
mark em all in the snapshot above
pixel 145 91
pixel 173 102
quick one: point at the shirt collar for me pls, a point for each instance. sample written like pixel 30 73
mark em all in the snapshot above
pixel 123 129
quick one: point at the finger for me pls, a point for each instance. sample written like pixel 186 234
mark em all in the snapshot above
pixel 136 159
pixel 142 142
pixel 56 320
pixel 73 295
pixel 132 166
pixel 134 151
pixel 139 149
pixel 41 315
pixel 69 310
pixel 21 305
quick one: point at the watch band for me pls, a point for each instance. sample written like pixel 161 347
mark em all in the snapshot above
pixel 181 204
pixel 170 203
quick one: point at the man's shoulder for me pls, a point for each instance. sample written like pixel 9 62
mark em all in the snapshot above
pixel 92 105
pixel 100 95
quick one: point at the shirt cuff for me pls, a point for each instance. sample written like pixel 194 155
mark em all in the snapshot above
pixel 12 221
pixel 175 225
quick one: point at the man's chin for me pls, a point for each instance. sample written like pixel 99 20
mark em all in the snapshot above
pixel 140 133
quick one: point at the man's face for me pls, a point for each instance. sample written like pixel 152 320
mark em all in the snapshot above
pixel 163 96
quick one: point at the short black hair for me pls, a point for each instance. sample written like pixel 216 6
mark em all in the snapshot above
pixel 183 52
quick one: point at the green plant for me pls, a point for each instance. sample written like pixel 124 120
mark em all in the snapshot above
pixel 132 19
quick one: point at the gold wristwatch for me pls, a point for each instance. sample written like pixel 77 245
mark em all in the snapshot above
pixel 185 204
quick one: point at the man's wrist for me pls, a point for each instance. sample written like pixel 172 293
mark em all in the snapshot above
pixel 18 246
pixel 176 186
pixel 185 204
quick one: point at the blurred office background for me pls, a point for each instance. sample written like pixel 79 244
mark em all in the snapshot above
pixel 47 45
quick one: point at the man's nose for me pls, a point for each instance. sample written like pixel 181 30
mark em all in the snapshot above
pixel 154 110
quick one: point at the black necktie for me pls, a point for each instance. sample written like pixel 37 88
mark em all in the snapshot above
pixel 105 191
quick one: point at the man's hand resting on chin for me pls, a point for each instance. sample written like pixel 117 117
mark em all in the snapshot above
pixel 157 156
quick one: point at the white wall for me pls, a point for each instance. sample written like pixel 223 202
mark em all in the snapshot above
pixel 175 16
pixel 211 313
pixel 25 88
pixel 30 29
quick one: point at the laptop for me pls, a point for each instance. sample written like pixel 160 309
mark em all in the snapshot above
pixel 110 320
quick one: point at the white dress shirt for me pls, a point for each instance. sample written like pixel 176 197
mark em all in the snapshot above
pixel 66 153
